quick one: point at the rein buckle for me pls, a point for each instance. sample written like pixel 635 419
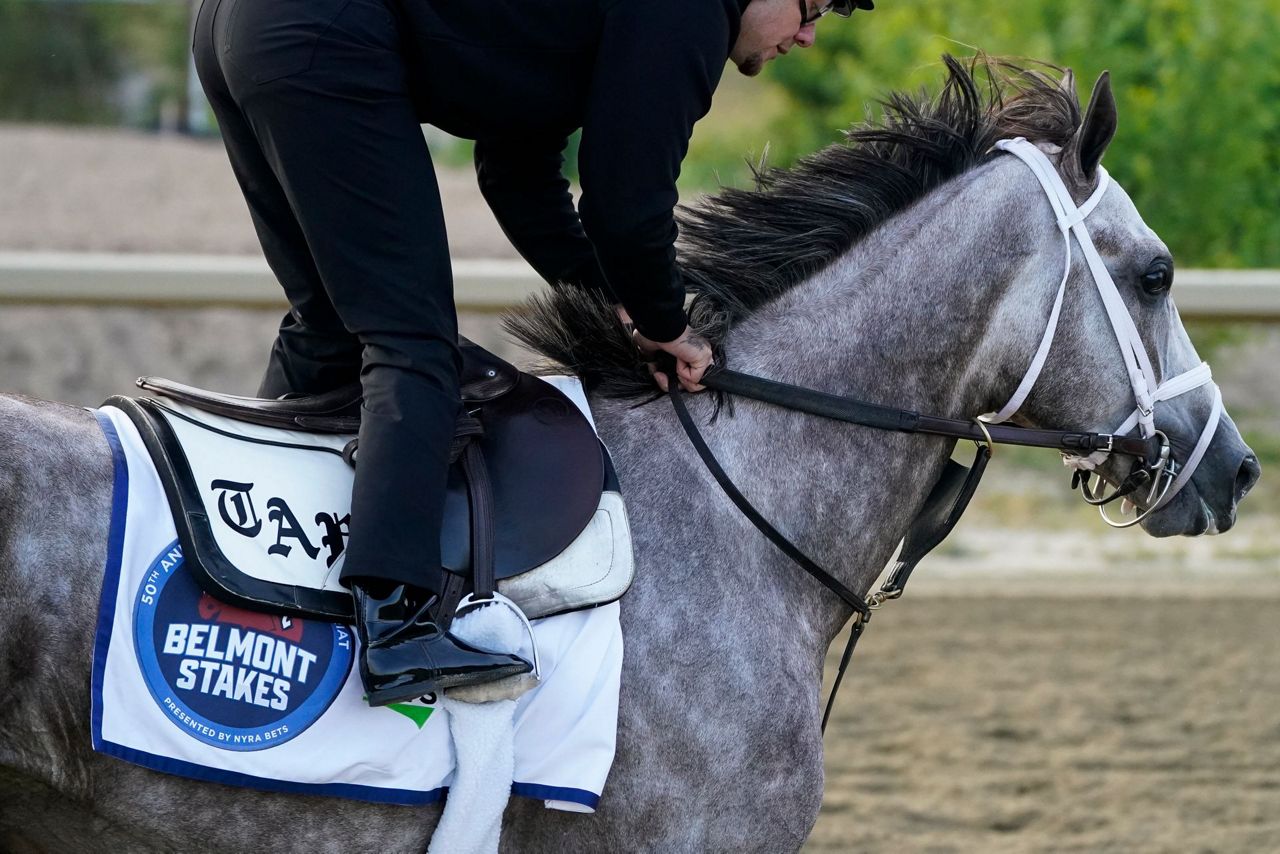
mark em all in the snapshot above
pixel 877 598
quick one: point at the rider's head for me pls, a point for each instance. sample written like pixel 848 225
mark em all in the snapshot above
pixel 770 28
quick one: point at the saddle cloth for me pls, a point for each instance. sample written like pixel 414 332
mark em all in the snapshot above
pixel 263 512
pixel 186 684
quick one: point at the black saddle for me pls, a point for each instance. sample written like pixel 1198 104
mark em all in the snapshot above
pixel 485 378
pixel 528 477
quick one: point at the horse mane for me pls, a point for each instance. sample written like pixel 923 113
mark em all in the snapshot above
pixel 740 249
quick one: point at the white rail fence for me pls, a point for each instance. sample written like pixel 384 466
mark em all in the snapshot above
pixel 479 285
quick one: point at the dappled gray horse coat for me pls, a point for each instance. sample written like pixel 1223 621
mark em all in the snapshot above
pixel 907 266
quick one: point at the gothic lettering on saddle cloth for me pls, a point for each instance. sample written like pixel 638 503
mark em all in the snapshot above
pixel 261 494
pixel 188 685
pixel 221 596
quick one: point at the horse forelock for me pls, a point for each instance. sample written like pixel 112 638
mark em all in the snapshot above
pixel 740 249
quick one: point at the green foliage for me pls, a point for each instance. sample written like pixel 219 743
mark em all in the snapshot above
pixel 1212 337
pixel 55 63
pixel 1198 86
pixel 65 62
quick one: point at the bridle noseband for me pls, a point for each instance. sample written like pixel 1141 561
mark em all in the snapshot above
pixel 1083 451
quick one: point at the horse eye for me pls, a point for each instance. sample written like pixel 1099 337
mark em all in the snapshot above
pixel 1158 278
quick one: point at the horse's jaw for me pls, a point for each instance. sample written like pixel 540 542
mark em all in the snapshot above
pixel 1187 516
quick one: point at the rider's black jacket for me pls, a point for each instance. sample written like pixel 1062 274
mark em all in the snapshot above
pixel 519 76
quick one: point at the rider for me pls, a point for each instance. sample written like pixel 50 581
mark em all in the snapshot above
pixel 320 103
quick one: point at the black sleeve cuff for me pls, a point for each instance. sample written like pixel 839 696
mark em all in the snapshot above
pixel 660 324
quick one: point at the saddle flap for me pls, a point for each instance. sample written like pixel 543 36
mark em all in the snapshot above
pixel 546 471
pixel 484 376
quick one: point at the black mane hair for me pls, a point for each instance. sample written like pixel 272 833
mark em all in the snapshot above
pixel 742 248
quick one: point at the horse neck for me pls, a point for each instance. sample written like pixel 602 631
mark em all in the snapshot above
pixel 894 321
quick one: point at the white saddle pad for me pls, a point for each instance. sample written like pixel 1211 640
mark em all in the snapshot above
pixel 276 507
pixel 187 685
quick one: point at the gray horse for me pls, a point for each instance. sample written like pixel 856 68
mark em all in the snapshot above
pixel 907 266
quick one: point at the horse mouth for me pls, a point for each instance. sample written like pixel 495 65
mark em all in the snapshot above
pixel 1219 524
pixel 1189 519
pixel 1210 520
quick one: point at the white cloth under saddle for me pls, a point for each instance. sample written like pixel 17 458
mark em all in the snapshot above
pixel 278 502
pixel 187 685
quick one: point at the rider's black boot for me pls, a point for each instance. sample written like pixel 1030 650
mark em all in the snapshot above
pixel 405 654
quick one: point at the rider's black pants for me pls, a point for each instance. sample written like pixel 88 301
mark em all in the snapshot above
pixel 312 100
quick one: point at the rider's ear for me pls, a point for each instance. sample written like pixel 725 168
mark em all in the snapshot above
pixel 1099 126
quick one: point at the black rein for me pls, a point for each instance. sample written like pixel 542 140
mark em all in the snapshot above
pixel 853 411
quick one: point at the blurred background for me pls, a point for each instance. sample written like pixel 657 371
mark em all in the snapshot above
pixel 1048 683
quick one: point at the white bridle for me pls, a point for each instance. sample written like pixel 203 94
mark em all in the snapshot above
pixel 1147 392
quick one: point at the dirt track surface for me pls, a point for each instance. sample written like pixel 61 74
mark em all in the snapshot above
pixel 1031 724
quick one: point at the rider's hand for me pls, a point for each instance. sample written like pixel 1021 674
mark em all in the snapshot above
pixel 692 354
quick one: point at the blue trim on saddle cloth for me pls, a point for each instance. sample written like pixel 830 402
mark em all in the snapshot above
pixel 132 480
pixel 110 572
pixel 370 794
pixel 556 793
pixel 102 641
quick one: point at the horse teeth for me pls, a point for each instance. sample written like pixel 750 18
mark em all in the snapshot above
pixel 1126 506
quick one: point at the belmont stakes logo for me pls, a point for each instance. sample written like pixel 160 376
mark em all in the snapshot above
pixel 232 678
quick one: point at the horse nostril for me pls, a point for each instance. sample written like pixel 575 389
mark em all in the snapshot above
pixel 1248 475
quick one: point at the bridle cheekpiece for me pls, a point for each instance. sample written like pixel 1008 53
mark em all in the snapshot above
pixel 1160 472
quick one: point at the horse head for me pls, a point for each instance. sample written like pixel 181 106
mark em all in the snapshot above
pixel 1114 356
pixel 964 256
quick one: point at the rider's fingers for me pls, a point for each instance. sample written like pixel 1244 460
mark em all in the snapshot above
pixel 659 377
pixel 690 375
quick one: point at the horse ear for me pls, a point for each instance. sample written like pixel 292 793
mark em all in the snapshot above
pixel 1099 126
pixel 1068 82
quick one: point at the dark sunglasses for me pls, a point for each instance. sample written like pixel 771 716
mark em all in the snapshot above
pixel 843 8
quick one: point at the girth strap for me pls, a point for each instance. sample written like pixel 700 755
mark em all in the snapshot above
pixel 483 526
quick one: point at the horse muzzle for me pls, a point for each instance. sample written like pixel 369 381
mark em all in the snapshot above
pixel 1209 505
